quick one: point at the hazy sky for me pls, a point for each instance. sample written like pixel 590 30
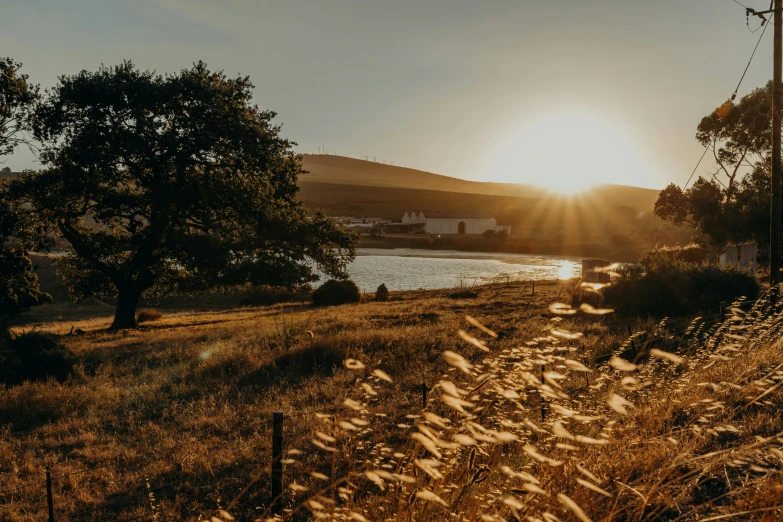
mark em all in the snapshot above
pixel 522 91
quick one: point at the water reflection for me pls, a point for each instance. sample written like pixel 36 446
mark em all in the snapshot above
pixel 411 269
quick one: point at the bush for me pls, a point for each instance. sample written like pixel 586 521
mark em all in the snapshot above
pixel 34 356
pixel 335 292
pixel 659 287
pixel 147 315
pixel 382 293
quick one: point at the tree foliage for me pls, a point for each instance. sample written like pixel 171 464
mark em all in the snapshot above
pixel 18 283
pixel 17 97
pixel 174 183
pixel 733 204
pixel 739 136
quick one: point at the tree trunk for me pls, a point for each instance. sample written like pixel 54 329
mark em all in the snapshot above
pixel 125 315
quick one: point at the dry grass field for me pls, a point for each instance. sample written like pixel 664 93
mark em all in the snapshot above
pixel 529 417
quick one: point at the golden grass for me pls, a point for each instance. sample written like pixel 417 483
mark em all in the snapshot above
pixel 184 405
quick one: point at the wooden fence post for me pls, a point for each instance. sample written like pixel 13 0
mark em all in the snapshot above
pixel 277 463
pixel 532 296
pixel 49 499
pixel 424 395
pixel 722 311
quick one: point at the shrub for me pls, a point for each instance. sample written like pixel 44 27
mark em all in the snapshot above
pixel 34 356
pixel 382 293
pixel 147 315
pixel 659 286
pixel 335 292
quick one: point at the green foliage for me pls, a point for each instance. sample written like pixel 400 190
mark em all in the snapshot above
pixel 662 287
pixel 335 292
pixel 34 356
pixel 176 183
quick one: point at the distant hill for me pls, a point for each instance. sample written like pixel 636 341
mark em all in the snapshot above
pixel 350 171
pixel 340 170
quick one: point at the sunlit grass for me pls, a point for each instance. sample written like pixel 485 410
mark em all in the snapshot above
pixel 532 414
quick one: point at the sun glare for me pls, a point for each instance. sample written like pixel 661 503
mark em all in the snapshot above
pixel 565 271
pixel 569 152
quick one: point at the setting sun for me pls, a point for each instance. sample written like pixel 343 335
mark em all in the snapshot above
pixel 569 152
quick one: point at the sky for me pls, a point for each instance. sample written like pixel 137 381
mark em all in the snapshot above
pixel 562 94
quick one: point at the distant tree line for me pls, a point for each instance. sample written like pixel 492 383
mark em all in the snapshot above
pixel 160 184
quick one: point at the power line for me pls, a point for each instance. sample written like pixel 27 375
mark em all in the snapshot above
pixel 765 24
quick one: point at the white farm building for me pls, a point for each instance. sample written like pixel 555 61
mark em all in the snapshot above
pixel 472 223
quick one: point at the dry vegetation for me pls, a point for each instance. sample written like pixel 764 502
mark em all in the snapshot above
pixel 527 415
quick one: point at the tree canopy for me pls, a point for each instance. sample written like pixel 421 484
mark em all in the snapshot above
pixel 173 183
pixel 732 205
pixel 17 98
pixel 18 285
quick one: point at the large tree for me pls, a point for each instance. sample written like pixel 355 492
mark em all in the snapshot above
pixel 733 203
pixel 18 283
pixel 174 183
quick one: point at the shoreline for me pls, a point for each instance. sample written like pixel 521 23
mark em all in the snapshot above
pixel 511 245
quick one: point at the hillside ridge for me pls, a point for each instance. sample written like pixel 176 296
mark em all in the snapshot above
pixel 341 170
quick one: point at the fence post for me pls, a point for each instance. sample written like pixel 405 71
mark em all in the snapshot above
pixel 49 499
pixel 722 311
pixel 424 395
pixel 277 463
pixel 532 296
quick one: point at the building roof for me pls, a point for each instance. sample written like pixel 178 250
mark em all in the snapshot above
pixel 458 215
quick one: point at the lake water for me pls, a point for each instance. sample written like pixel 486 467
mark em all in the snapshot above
pixel 412 269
